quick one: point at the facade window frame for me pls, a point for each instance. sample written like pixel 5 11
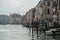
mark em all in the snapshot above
pixel 48 11
pixel 48 3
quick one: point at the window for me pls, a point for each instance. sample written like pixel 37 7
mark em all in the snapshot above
pixel 48 11
pixel 54 3
pixel 48 3
pixel 34 10
pixel 59 2
pixel 53 13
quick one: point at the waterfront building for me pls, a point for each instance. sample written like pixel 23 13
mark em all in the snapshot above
pixel 38 12
pixel 5 19
pixel 23 20
pixel 29 15
pixel 56 6
pixel 50 10
pixel 16 18
pixel 43 11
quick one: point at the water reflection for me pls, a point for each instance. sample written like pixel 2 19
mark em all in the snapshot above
pixel 44 36
pixel 13 32
pixel 19 32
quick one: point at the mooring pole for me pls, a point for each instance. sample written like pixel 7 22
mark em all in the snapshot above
pixel 37 28
pixel 55 21
pixel 53 34
pixel 32 29
pixel 46 26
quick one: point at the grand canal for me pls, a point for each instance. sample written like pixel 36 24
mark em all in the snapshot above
pixel 19 32
pixel 14 32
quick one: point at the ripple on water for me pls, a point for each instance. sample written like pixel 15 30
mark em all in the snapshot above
pixel 13 32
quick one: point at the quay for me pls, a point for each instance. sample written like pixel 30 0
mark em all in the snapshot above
pixel 52 34
pixel 44 33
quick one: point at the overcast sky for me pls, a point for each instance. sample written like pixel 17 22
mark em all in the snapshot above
pixel 16 6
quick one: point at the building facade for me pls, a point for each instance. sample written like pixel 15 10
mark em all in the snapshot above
pixel 46 10
pixel 16 18
pixel 29 15
pixel 4 19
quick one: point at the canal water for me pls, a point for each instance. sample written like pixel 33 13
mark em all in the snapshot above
pixel 44 36
pixel 14 32
pixel 19 32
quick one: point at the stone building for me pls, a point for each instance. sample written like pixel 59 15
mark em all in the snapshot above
pixel 23 20
pixel 39 11
pixel 50 10
pixel 44 10
pixel 56 9
pixel 4 19
pixel 16 18
pixel 29 15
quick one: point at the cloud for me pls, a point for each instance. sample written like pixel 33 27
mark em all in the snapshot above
pixel 10 6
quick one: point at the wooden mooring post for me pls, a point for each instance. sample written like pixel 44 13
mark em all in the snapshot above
pixel 37 28
pixel 32 30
